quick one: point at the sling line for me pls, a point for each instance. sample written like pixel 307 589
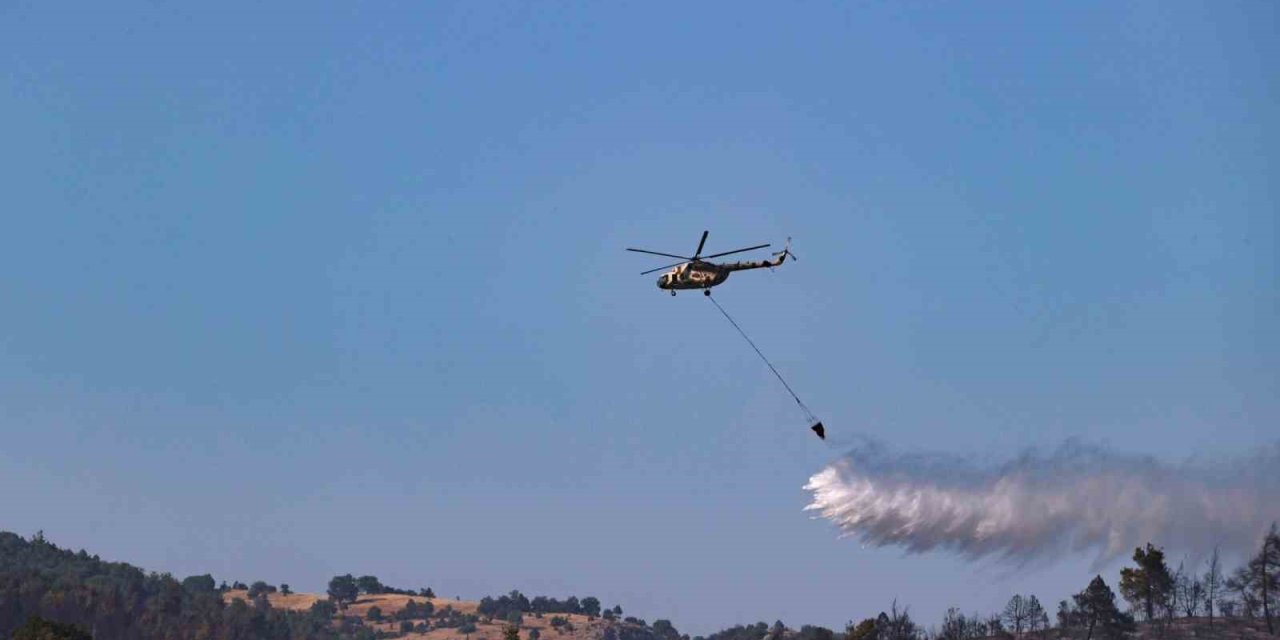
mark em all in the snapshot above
pixel 808 414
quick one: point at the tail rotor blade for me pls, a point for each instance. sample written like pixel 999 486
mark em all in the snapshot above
pixel 786 250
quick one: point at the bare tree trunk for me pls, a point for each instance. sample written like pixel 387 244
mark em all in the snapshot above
pixel 1212 579
pixel 1265 578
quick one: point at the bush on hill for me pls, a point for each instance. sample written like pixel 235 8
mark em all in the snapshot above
pixel 37 628
pixel 741 632
pixel 199 584
pixel 369 585
pixel 343 590
pixel 260 588
pixel 414 611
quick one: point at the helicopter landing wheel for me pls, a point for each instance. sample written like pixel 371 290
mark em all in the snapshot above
pixel 706 292
pixel 673 292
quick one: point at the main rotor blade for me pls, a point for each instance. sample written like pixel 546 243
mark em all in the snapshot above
pixel 669 255
pixel 661 268
pixel 700 243
pixel 735 251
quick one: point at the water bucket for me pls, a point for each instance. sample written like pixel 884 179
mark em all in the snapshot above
pixel 819 429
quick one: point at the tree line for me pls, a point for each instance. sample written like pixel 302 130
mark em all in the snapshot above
pixel 502 607
pixel 1156 594
pixel 45 590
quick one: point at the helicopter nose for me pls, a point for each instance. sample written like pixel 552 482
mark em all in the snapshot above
pixel 661 281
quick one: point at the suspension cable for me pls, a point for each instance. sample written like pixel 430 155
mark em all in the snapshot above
pixel 808 414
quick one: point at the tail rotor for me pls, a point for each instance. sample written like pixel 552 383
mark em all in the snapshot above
pixel 786 251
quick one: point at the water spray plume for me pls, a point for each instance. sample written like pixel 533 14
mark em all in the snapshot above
pixel 1078 498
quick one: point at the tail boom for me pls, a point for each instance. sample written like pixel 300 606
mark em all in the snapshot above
pixel 778 258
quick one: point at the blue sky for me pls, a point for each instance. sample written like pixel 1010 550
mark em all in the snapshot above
pixel 300 290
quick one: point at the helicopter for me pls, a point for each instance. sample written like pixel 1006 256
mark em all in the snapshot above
pixel 697 273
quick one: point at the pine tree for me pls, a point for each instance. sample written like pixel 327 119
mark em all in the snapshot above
pixel 1261 576
pixel 1148 585
pixel 1095 610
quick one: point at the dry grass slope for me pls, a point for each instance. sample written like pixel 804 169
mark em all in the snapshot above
pixel 583 628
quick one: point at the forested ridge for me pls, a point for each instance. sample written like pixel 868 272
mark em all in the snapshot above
pixel 44 587
pixel 118 600
pixel 50 593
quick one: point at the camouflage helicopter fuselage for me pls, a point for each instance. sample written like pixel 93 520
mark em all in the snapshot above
pixel 704 275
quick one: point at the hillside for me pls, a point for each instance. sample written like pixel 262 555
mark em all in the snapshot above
pixel 1198 628
pixel 580 627
pixel 115 600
